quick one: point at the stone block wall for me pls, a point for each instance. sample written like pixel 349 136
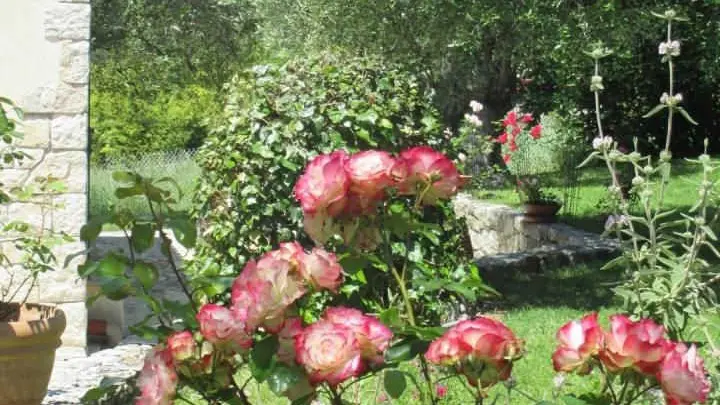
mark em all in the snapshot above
pixel 45 51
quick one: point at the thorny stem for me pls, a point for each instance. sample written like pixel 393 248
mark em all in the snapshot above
pixel 608 385
pixel 166 242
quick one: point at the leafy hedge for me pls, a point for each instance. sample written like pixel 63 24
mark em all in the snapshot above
pixel 279 116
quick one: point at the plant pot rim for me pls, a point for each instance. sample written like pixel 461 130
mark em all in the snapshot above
pixel 33 320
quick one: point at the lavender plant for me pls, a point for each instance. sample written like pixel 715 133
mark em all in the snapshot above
pixel 668 275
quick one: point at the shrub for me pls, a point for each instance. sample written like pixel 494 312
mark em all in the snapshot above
pixel 277 117
pixel 126 120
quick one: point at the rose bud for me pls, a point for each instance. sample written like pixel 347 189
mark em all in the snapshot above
pixel 181 345
pixel 157 380
pixel 580 340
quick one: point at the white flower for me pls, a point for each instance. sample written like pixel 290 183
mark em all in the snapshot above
pixel 559 380
pixel 476 107
pixel 664 98
pixel 678 98
pixel 462 157
pixel 671 48
pixel 473 120
pixel 602 143
pixel 615 222
pixel 448 133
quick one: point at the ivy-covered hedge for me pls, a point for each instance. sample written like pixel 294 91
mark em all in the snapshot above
pixel 279 116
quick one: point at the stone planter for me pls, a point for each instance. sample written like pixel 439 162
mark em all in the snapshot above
pixel 541 213
pixel 28 340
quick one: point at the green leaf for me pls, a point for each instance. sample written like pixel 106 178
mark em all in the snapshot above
pixel 129 178
pixel 112 265
pixel 91 230
pixel 655 110
pixel 146 273
pixel 262 356
pixel 116 289
pixel 184 230
pixel 686 115
pixel 284 378
pixel 405 350
pixel 143 236
pixel 394 382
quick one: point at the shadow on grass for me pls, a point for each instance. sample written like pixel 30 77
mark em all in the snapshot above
pixel 582 287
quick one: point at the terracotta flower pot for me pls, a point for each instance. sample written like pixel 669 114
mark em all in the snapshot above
pixel 541 213
pixel 28 340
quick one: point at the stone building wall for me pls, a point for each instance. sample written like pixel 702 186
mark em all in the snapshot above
pixel 44 49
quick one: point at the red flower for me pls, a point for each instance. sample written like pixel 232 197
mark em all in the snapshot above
pixel 536 131
pixel 510 119
pixel 324 184
pixel 526 118
pixel 683 377
pixel 440 391
pixel 580 340
pixel 181 345
pixel 503 138
pixel 329 353
pixel 158 380
pixel 506 158
pixel 430 173
pixel 638 345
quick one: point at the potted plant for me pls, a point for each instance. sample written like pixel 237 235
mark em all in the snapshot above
pixel 29 333
pixel 539 205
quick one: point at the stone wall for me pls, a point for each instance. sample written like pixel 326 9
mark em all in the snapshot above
pixel 45 68
pixel 502 239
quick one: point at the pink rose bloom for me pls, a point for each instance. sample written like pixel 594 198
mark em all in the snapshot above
pixel 292 252
pixel 526 118
pixel 181 345
pixel 329 353
pixel 324 184
pixel 286 340
pixel 639 345
pixel 320 227
pixel 359 205
pixel 430 173
pixel 265 289
pixel 374 337
pixel 580 340
pixel 447 350
pixel 157 381
pixel 322 270
pixel 683 377
pixel 219 326
pixel 371 172
pixel 536 131
pixel 482 349
pixel 489 339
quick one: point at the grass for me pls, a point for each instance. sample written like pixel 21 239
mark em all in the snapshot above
pixel 589 213
pixel 179 165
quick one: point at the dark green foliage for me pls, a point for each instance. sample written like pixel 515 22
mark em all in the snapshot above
pixel 506 52
pixel 158 68
pixel 277 118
